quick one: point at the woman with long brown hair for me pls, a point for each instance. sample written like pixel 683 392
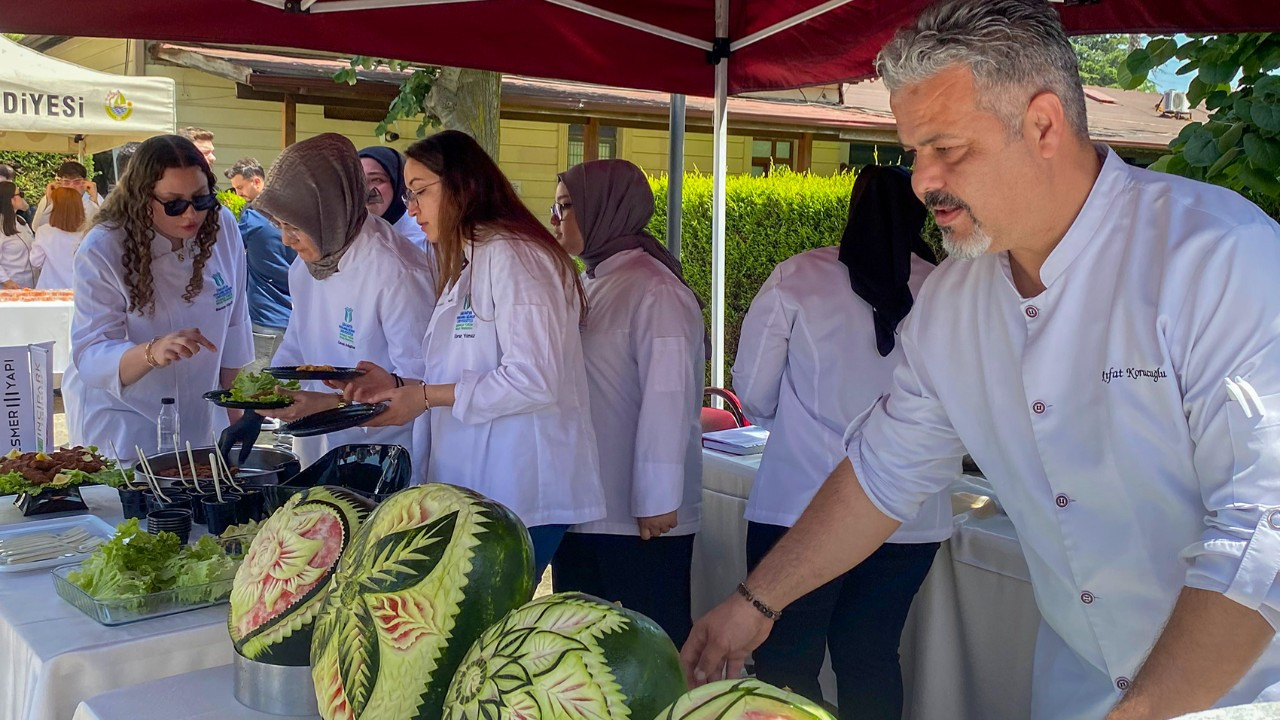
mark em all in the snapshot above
pixel 160 308
pixel 15 242
pixel 57 241
pixel 505 392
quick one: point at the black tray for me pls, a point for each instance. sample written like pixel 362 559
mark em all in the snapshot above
pixel 333 420
pixel 51 500
pixel 293 373
pixel 222 398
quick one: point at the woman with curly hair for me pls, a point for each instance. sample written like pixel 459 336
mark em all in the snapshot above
pixel 160 307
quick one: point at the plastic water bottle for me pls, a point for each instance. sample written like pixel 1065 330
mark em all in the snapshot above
pixel 167 427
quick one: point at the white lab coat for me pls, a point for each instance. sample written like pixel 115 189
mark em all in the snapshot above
pixel 99 410
pixel 519 431
pixel 15 257
pixel 374 308
pixel 645 358
pixel 807 365
pixel 1098 411
pixel 410 228
pixel 53 252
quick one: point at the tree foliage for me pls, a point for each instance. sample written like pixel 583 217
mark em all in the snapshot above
pixel 1102 58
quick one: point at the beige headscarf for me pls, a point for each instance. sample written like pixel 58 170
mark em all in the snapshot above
pixel 318 186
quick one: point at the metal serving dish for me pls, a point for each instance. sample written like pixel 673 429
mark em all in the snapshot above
pixel 265 466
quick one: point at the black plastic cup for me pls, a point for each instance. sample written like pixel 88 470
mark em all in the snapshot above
pixel 176 500
pixel 134 502
pixel 174 520
pixel 252 506
pixel 219 516
pixel 197 505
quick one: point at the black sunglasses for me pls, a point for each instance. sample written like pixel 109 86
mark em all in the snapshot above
pixel 174 208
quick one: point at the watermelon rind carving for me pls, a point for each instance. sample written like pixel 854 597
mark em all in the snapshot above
pixel 744 699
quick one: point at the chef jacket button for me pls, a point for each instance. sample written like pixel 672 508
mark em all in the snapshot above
pixel 1273 519
pixel 1086 597
pixel 1032 311
pixel 1061 500
pixel 1038 407
pixel 1122 683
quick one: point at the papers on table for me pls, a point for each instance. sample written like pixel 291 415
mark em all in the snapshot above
pixel 737 441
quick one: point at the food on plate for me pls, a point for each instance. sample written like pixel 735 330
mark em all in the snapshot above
pixel 315 368
pixel 136 563
pixel 745 699
pixel 259 387
pixel 286 573
pixel 427 574
pixel 567 655
pixel 33 472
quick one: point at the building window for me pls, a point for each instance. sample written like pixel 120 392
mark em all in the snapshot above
pixel 606 143
pixel 767 153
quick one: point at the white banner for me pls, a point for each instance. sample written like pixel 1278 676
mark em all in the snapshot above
pixel 26 398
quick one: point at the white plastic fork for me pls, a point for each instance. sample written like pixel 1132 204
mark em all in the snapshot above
pixel 49 553
pixel 27 542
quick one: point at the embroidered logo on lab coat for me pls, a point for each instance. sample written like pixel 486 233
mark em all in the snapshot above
pixel 466 322
pixel 346 330
pixel 1153 375
pixel 223 295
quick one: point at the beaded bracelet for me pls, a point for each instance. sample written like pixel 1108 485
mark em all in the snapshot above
pixel 765 610
pixel 151 359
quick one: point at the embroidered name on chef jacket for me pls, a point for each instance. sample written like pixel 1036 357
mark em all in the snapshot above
pixel 346 330
pixel 223 295
pixel 1154 375
pixel 465 325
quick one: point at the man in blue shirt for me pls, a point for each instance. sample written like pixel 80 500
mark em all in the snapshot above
pixel 268 260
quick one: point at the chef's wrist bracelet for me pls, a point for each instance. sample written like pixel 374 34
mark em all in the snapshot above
pixel 426 401
pixel 150 358
pixel 399 380
pixel 342 400
pixel 764 610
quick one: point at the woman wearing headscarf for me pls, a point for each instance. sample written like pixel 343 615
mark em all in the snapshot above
pixel 643 344
pixel 16 270
pixel 160 305
pixel 384 171
pixel 505 390
pixel 57 241
pixel 818 347
pixel 360 290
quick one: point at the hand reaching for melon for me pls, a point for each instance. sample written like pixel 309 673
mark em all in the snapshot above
pixel 721 640
pixel 656 525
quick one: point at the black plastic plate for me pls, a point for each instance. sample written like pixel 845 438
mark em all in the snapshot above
pixel 222 398
pixel 333 420
pixel 293 373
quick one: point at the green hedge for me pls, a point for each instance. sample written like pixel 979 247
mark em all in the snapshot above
pixel 35 170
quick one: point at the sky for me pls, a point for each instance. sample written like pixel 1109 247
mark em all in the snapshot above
pixel 1165 76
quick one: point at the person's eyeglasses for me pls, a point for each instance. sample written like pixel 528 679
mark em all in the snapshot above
pixel 410 196
pixel 558 209
pixel 174 208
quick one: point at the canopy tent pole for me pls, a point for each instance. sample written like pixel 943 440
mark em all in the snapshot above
pixel 675 175
pixel 719 162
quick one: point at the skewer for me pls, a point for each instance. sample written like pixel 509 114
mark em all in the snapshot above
pixel 191 460
pixel 217 486
pixel 155 482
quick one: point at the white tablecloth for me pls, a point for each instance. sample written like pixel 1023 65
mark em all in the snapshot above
pixel 52 656
pixel 968 643
pixel 200 695
pixel 24 323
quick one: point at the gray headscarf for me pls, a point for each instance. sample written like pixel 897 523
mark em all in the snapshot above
pixel 318 186
pixel 613 203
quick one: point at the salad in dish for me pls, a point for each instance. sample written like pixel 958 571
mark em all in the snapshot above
pixel 136 563
pixel 259 387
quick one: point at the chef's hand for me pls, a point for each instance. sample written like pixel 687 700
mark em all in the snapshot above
pixel 405 404
pixel 375 381
pixel 305 402
pixel 180 345
pixel 244 431
pixel 10 285
pixel 721 640
pixel 91 188
pixel 656 525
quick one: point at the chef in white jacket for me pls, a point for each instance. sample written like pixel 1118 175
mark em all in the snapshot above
pixel 360 290
pixel 505 386
pixel 818 346
pixel 57 241
pixel 160 308
pixel 645 349
pixel 16 239
pixel 1104 341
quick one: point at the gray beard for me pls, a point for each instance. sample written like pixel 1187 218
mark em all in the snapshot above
pixel 974 246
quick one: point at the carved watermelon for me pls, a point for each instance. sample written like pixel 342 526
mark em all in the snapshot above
pixel 746 699
pixel 432 568
pixel 278 589
pixel 568 656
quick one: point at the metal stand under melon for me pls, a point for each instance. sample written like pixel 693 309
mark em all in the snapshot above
pixel 568 656
pixel 743 699
pixel 432 568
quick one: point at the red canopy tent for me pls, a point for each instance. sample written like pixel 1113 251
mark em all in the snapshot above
pixel 697 47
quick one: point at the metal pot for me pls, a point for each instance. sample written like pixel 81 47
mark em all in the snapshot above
pixel 265 466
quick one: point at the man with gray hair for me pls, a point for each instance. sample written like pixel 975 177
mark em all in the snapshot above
pixel 1104 343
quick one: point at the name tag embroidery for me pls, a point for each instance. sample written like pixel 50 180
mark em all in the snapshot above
pixel 223 295
pixel 1155 374
pixel 347 330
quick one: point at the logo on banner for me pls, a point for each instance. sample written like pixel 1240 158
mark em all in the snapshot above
pixel 466 323
pixel 223 295
pixel 347 330
pixel 118 107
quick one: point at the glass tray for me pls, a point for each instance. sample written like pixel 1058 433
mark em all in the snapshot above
pixel 127 610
